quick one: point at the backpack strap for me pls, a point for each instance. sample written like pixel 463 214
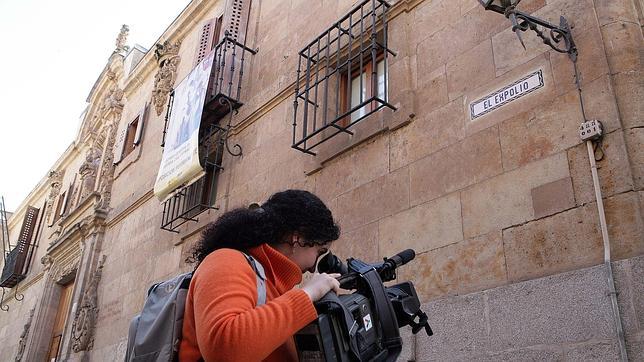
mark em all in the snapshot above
pixel 261 278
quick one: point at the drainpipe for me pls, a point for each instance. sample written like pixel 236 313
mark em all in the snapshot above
pixel 589 131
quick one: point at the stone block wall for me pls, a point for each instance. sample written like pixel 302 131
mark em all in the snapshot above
pixel 564 317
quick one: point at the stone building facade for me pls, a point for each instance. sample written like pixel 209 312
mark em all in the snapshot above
pixel 499 206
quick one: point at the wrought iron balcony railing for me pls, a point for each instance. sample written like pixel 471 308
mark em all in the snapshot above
pixel 13 271
pixel 190 201
pixel 342 76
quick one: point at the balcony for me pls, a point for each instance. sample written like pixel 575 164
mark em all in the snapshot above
pixel 13 271
pixel 223 97
pixel 224 88
pixel 342 76
pixel 199 196
pixel 18 257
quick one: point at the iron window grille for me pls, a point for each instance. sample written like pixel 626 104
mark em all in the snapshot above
pixel 324 103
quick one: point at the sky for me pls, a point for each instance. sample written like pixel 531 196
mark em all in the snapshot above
pixel 52 53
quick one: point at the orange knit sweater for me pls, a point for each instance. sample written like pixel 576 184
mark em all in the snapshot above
pixel 222 322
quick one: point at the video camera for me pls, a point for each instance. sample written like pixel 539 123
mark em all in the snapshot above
pixel 364 325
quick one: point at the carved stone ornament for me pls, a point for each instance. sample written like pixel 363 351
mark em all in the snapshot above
pixel 167 55
pixel 121 39
pixel 114 99
pixel 59 273
pixel 46 261
pixel 23 336
pixel 107 169
pixel 85 317
pixel 88 171
pixel 55 180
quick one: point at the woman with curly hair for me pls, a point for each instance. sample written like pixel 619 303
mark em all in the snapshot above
pixel 287 234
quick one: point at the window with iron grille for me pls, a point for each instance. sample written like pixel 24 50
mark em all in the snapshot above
pixel 342 76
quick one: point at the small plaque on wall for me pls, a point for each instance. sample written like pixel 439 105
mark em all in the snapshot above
pixel 507 94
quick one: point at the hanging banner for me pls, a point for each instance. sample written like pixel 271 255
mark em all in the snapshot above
pixel 180 161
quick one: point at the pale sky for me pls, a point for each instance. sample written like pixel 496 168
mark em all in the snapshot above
pixel 52 53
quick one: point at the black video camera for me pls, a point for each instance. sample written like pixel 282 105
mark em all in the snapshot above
pixel 364 325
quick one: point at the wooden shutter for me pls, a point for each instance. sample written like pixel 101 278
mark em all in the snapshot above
pixel 120 142
pixel 206 38
pixel 25 238
pixel 236 19
pixel 139 127
pixel 216 37
pixel 64 206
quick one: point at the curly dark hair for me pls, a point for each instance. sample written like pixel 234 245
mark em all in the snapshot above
pixel 271 223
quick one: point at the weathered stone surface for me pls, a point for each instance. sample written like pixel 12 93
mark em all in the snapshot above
pixel 359 206
pixel 609 11
pixel 602 105
pixel 572 239
pixel 432 88
pixel 637 277
pixel 455 167
pixel 625 228
pixel 508 52
pixel 626 299
pixel 629 91
pixel 460 329
pixel 559 243
pixel 478 24
pixel 431 16
pixel 623 44
pixel 366 163
pixel 427 134
pixel 523 354
pixel 362 243
pixel 591 62
pixel 503 200
pixel 552 197
pixel 474 67
pixel 635 147
pixel 600 352
pixel 424 227
pixel 541 132
pixel 564 308
pixel 581 13
pixel 463 267
pixel 635 349
pixel 613 170
pixel 518 106
pixel 409 345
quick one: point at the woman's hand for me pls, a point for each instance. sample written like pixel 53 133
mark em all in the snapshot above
pixel 320 284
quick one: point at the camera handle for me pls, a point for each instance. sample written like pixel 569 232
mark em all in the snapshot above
pixel 390 334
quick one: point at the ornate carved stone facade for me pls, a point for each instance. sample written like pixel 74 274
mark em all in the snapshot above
pixel 121 39
pixel 55 179
pixel 88 171
pixel 85 318
pixel 23 336
pixel 167 56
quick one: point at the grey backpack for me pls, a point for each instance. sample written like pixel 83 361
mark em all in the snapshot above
pixel 155 334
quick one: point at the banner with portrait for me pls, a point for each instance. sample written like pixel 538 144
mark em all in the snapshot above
pixel 180 161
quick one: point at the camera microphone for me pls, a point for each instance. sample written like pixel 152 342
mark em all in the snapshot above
pixel 401 258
